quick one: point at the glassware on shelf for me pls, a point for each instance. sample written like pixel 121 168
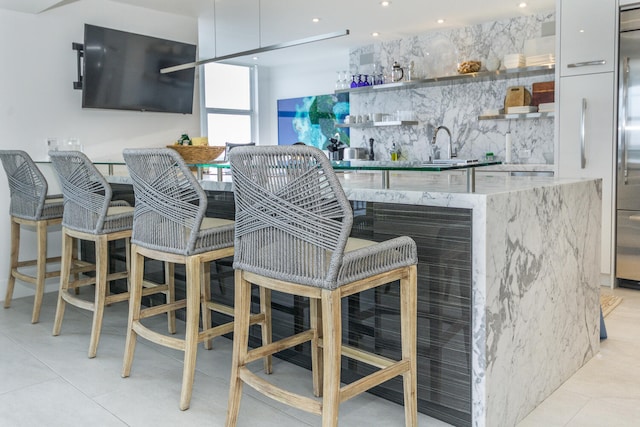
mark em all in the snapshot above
pixel 345 80
pixel 339 80
pixel 360 82
pixel 397 72
pixel 353 81
pixel 73 144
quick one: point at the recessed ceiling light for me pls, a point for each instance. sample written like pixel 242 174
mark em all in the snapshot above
pixel 440 21
pixel 522 5
pixel 385 3
pixel 255 58
pixel 375 34
pixel 316 19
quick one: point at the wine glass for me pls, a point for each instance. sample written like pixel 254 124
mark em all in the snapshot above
pixel 339 80
pixel 345 80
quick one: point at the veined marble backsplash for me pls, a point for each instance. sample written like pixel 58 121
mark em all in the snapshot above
pixel 454 105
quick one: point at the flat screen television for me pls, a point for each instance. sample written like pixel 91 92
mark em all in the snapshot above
pixel 122 72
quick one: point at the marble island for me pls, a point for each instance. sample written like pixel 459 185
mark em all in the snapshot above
pixel 508 280
pixel 534 276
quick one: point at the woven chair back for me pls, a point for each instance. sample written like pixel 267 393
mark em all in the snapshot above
pixel 27 185
pixel 170 203
pixel 292 216
pixel 86 192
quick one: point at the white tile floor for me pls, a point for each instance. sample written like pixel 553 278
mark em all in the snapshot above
pixel 49 381
pixel 606 390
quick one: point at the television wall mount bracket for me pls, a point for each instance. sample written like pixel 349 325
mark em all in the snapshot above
pixel 79 48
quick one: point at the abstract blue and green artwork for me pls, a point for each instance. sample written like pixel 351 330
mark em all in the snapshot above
pixel 312 119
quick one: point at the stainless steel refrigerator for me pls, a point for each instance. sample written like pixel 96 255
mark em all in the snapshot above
pixel 628 159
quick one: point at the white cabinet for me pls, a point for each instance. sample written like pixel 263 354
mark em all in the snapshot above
pixel 585 141
pixel 587 36
pixel 585 96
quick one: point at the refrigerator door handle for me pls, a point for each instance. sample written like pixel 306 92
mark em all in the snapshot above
pixel 623 120
pixel 583 113
pixel 587 63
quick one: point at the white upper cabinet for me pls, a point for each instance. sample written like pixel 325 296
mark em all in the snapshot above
pixel 587 36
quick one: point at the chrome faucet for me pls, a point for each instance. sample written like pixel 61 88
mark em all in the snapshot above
pixel 450 151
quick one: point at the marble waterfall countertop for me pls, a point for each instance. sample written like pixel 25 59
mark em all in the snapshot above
pixel 535 263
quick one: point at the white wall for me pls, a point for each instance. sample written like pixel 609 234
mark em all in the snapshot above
pixel 37 99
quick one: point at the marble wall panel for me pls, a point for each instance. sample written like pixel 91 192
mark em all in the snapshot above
pixel 454 105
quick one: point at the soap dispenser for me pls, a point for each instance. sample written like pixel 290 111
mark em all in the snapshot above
pixel 395 152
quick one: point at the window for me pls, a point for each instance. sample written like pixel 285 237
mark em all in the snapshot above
pixel 229 101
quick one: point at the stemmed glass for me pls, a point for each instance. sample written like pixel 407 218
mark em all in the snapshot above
pixel 345 80
pixel 339 80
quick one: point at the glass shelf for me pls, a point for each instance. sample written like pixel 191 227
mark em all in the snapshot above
pixel 458 78
pixel 517 116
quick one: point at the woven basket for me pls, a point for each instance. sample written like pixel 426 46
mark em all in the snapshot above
pixel 198 154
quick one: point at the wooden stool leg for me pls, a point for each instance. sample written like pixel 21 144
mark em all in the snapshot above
pixel 194 271
pixel 41 269
pixel 205 289
pixel 13 262
pixel 408 328
pixel 65 272
pixel 242 312
pixel 265 308
pixel 101 292
pixel 315 310
pixel 332 341
pixel 74 257
pixel 127 262
pixel 135 303
pixel 169 279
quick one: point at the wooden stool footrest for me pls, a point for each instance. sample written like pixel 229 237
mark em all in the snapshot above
pixel 216 331
pixel 158 338
pixel 366 357
pixel 30 262
pixel 150 288
pixel 162 309
pixel 78 302
pixel 279 394
pixel 277 346
pixel 117 276
pixel 226 328
pixel 22 276
pixel 220 308
pixel 375 379
pixel 113 298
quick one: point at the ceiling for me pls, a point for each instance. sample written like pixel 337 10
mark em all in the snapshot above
pixel 248 24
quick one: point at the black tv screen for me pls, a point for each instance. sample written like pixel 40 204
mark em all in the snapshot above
pixel 122 72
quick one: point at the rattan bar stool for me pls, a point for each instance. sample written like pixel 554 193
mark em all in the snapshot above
pixel 91 215
pixel 293 222
pixel 170 225
pixel 30 206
